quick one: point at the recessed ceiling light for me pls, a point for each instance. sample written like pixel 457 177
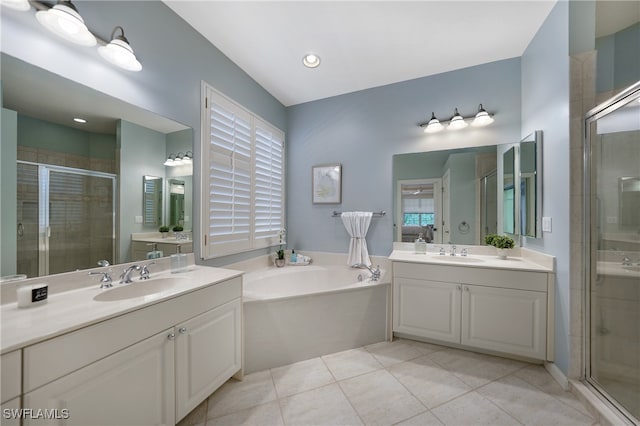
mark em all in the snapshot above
pixel 79 120
pixel 311 60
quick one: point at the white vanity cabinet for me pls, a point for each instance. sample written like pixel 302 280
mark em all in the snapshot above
pixel 497 310
pixel 10 369
pixel 134 386
pixel 208 352
pixel 113 373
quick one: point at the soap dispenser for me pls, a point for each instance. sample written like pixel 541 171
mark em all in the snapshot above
pixel 178 261
pixel 420 245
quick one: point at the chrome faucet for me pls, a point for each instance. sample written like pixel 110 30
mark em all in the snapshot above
pixel 626 261
pixel 464 252
pixel 105 280
pixel 144 271
pixel 453 251
pixel 442 251
pixel 375 273
pixel 125 277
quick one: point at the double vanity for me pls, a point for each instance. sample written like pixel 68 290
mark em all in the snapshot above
pixel 477 301
pixel 142 353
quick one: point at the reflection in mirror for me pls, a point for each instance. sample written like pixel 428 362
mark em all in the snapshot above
pixel 93 170
pixel 176 203
pixel 464 186
pixel 530 152
pixel 152 200
pixel 629 201
pixel 508 192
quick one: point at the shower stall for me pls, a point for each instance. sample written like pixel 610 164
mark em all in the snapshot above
pixel 612 251
pixel 66 218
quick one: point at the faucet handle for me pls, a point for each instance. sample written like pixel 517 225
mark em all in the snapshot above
pixel 105 280
pixel 442 251
pixel 464 252
pixel 144 271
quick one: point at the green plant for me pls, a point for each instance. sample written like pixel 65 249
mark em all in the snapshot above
pixel 280 254
pixel 178 228
pixel 499 241
pixel 164 229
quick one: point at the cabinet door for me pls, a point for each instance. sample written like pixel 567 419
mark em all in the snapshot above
pixel 10 413
pixel 505 320
pixel 208 353
pixel 134 386
pixel 427 309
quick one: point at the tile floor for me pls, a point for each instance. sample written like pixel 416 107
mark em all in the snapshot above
pixel 401 382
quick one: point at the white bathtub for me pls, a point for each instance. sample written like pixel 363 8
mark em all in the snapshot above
pixel 300 312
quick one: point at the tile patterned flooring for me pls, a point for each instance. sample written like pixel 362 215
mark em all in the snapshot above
pixel 401 382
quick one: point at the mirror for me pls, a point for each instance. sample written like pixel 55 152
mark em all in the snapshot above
pixel 451 194
pixel 530 152
pixel 176 202
pixel 508 192
pixel 118 146
pixel 152 200
pixel 629 201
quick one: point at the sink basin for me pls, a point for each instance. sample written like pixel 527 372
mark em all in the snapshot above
pixel 457 259
pixel 632 268
pixel 137 289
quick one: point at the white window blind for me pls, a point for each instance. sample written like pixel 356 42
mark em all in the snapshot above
pixel 243 188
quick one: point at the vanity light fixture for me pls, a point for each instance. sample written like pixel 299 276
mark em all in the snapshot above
pixel 457 121
pixel 311 60
pixel 64 21
pixel 170 160
pixel 21 5
pixel 119 52
pixel 434 125
pixel 482 118
pixel 179 159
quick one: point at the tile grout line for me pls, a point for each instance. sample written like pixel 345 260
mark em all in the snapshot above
pixel 337 382
pixel 273 382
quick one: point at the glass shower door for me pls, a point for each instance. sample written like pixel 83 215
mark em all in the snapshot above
pixel 613 256
pixel 67 217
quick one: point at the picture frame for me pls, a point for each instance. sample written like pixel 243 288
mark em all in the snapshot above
pixel 326 184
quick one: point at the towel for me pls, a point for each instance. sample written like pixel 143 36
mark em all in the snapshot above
pixel 357 225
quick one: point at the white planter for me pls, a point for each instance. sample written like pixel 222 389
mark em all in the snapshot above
pixel 503 253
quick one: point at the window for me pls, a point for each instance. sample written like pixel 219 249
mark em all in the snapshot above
pixel 243 178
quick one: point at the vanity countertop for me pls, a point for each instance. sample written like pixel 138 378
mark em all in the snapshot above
pixel 74 309
pixel 160 240
pixel 519 263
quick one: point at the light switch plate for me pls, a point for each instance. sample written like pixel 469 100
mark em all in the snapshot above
pixel 546 224
pixel 137 219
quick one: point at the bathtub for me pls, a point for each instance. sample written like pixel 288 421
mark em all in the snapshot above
pixel 300 312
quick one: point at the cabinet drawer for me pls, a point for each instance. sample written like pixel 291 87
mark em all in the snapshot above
pixel 503 278
pixel 46 361
pixel 10 367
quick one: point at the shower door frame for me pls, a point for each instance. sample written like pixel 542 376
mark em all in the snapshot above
pixel 628 95
pixel 44 225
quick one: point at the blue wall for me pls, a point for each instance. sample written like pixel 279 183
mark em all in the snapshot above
pixel 618 65
pixel 545 106
pixel 8 203
pixel 175 59
pixel 363 130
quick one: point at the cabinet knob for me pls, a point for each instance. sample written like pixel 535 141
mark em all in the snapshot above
pixel 182 330
pixel 466 289
pixel 171 336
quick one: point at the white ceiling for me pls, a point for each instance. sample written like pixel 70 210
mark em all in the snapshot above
pixel 362 44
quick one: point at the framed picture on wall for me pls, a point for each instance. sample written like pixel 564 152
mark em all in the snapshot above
pixel 326 184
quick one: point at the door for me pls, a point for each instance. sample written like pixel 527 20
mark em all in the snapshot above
pixel 134 386
pixel 505 320
pixel 446 203
pixel 208 353
pixel 66 219
pixel 426 308
pixel 419 210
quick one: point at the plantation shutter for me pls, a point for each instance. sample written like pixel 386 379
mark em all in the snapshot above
pixel 268 183
pixel 242 178
pixel 229 171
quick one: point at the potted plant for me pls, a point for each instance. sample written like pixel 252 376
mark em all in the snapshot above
pixel 502 243
pixel 178 228
pixel 164 231
pixel 279 260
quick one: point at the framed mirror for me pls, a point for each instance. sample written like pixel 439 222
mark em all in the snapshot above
pixel 509 191
pixel 96 168
pixel 530 172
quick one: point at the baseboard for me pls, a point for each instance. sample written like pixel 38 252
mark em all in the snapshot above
pixel 557 375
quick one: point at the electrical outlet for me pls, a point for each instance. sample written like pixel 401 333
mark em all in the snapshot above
pixel 546 224
pixel 612 219
pixel 137 219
